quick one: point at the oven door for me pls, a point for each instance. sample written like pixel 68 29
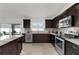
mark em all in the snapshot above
pixel 59 44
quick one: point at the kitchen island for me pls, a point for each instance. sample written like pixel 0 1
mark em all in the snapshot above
pixel 10 44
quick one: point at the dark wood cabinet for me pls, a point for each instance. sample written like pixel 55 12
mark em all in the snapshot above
pixel 12 48
pixel 48 24
pixel 52 37
pixel 9 48
pixel 55 23
pixel 71 48
pixel 41 38
pixel 51 23
pixel 19 47
pixel 26 23
pixel 23 38
pixel 72 11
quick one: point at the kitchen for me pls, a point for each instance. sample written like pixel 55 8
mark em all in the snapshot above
pixel 65 32
pixel 61 31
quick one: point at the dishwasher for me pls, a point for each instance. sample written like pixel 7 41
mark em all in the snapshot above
pixel 28 37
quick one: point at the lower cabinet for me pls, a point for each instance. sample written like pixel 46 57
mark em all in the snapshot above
pixel 52 39
pixel 19 46
pixel 71 48
pixel 41 38
pixel 12 48
pixel 23 38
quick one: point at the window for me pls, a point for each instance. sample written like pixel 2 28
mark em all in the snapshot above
pixel 10 29
pixel 16 30
pixel 5 29
pixel 37 25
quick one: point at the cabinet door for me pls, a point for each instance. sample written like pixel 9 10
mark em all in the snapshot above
pixel 19 47
pixel 5 50
pixel 75 49
pixel 23 38
pixel 55 23
pixel 71 49
pixel 9 48
pixel 13 50
pixel 41 38
pixel 0 50
pixel 48 24
pixel 52 37
pixel 26 23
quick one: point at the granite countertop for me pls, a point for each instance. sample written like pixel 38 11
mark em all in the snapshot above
pixel 53 34
pixel 75 41
pixel 39 32
pixel 8 38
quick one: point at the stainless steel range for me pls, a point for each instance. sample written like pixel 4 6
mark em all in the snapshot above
pixel 60 45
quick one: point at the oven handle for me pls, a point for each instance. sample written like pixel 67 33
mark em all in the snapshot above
pixel 59 38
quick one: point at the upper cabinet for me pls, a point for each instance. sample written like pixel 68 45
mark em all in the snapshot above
pixel 48 23
pixel 55 23
pixel 72 11
pixel 51 23
pixel 26 23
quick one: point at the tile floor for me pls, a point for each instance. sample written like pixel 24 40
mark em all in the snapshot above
pixel 38 49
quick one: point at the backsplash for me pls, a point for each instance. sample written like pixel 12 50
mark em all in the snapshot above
pixel 46 30
pixel 51 30
pixel 70 30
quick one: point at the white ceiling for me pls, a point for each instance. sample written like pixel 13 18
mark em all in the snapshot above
pixel 34 10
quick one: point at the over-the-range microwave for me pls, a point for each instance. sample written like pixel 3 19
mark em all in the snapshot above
pixel 66 22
